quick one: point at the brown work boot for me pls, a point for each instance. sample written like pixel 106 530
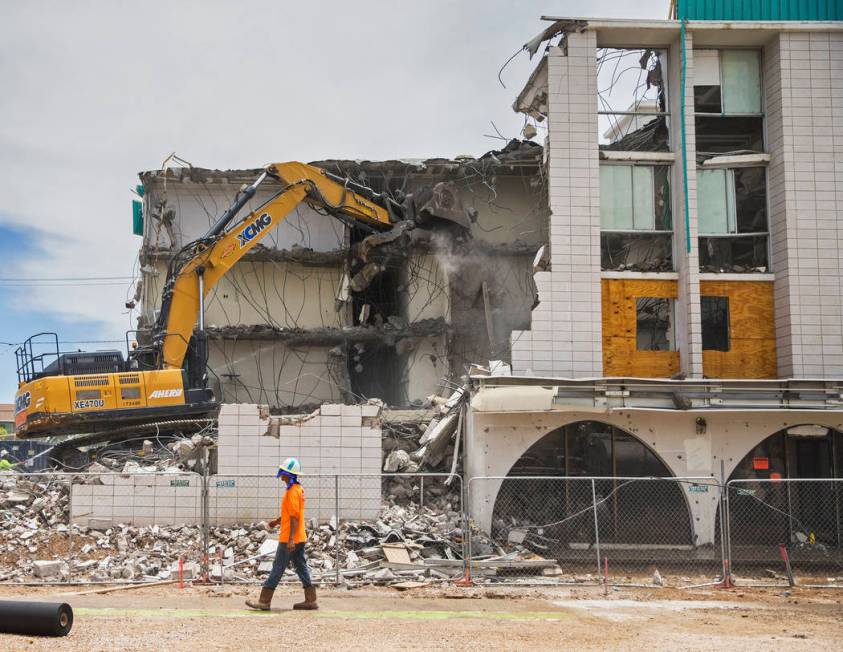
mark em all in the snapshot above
pixel 263 602
pixel 309 599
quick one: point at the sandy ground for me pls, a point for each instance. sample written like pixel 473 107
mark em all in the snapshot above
pixel 203 618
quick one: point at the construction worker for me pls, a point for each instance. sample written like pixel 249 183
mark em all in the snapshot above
pixel 5 464
pixel 291 539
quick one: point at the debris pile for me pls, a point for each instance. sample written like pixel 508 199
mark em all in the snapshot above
pixel 406 541
pixel 434 450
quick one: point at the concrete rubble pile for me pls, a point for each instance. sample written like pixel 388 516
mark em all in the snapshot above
pixel 183 454
pixel 438 441
pixel 406 542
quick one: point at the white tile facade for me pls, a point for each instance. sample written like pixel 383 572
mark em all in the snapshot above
pixel 804 102
pixel 565 334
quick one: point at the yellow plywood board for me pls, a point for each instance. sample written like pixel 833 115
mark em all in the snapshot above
pixel 620 354
pixel 752 335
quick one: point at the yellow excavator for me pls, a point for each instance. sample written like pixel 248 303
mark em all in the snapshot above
pixel 166 377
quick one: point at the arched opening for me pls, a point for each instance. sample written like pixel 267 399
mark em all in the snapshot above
pixel 556 517
pixel 775 512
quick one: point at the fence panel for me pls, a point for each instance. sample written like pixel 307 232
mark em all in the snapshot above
pixel 354 521
pixel 578 529
pixel 786 530
pixel 103 527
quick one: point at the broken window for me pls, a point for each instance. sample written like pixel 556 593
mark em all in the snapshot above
pixel 732 219
pixel 635 219
pixel 632 99
pixel 728 101
pixel 654 324
pixel 715 323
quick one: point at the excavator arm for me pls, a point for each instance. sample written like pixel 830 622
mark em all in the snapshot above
pixel 210 257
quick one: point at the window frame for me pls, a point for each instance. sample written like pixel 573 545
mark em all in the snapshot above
pixel 730 175
pixel 604 108
pixel 762 98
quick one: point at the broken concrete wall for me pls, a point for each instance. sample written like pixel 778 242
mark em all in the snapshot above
pixel 185 202
pixel 491 296
pixel 273 373
pixel 426 367
pixel 279 294
pixel 425 291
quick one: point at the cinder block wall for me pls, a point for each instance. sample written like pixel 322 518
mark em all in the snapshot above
pixel 339 448
pixel 565 335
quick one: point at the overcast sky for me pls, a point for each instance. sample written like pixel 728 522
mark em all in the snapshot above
pixel 93 92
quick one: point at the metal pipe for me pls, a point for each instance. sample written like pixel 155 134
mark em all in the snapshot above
pixel 241 200
pixel 201 274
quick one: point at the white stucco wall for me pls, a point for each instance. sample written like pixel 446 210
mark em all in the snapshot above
pixel 505 421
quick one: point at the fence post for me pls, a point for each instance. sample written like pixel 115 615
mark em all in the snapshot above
pixel 69 480
pixel 596 526
pixel 725 533
pixel 465 488
pixel 337 531
pixel 206 539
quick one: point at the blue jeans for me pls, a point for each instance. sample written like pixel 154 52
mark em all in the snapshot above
pixel 282 559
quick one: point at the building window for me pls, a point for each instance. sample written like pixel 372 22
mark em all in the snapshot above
pixel 715 323
pixel 632 100
pixel 732 218
pixel 654 324
pixel 635 219
pixel 728 101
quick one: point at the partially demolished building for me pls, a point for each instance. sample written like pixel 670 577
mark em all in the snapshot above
pixel 323 314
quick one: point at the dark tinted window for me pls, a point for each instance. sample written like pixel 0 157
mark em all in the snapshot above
pixel 715 323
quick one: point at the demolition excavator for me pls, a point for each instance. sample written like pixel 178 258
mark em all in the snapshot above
pixel 165 375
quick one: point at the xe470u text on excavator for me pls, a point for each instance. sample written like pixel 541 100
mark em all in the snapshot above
pixel 166 377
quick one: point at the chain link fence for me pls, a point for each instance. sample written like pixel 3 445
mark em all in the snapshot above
pixel 785 532
pixel 595 530
pixel 365 528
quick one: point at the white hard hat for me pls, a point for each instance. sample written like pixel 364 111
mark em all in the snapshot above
pixel 290 466
pixel 3 453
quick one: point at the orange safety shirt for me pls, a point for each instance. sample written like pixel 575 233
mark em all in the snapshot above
pixel 292 506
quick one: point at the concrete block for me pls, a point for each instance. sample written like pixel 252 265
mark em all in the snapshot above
pixel 331 409
pixel 350 411
pixel 370 410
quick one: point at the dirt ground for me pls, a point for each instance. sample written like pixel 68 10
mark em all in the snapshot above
pixel 205 618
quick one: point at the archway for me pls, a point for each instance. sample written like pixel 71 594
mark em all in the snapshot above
pixel 775 511
pixel 549 505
